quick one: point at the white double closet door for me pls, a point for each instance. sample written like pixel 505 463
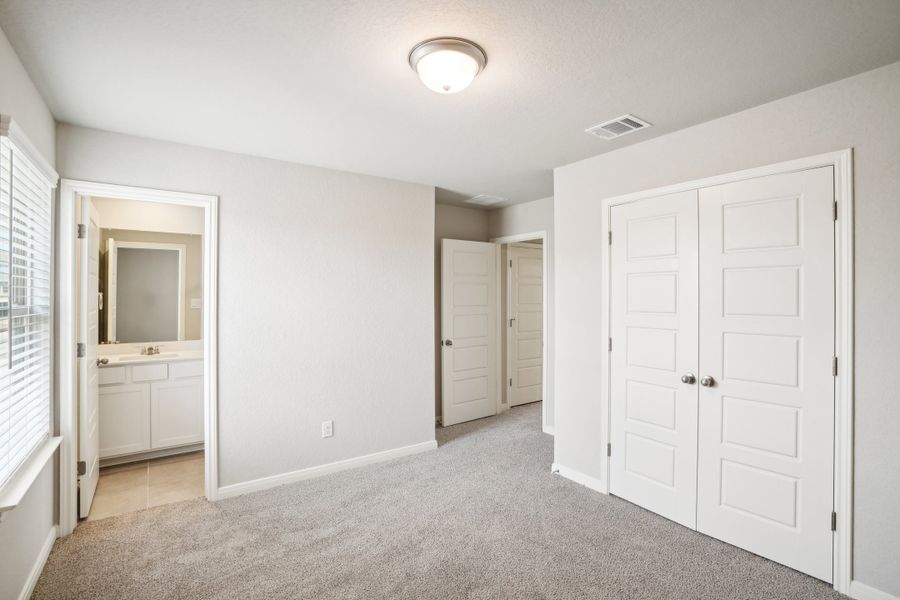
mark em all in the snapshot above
pixel 722 392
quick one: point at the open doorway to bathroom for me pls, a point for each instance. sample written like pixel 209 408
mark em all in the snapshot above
pixel 138 395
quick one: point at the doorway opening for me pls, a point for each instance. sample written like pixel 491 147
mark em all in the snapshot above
pixel 137 339
pixel 524 321
pixel 522 312
pixel 493 325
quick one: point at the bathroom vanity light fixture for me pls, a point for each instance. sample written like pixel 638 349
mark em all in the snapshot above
pixel 447 65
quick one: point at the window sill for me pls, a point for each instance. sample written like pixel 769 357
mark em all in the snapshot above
pixel 14 490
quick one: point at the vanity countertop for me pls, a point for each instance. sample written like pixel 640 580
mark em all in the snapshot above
pixel 118 360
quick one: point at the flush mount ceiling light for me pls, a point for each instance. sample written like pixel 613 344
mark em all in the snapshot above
pixel 447 65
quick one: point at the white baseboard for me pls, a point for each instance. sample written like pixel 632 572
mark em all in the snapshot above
pixel 861 591
pixel 579 477
pixel 549 430
pixel 38 566
pixel 265 483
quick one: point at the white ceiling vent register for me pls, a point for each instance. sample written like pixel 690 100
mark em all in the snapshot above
pixel 618 127
pixel 486 200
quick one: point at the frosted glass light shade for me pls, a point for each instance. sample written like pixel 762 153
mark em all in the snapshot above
pixel 447 65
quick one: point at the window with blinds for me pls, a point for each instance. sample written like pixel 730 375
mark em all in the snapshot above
pixel 25 232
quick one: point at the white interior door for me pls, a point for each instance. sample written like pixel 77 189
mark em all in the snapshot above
pixel 653 318
pixel 767 341
pixel 525 326
pixel 89 331
pixel 469 337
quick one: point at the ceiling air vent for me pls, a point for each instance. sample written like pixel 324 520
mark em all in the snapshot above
pixel 485 200
pixel 618 127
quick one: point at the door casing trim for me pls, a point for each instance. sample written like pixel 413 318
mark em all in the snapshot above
pixel 547 402
pixel 842 162
pixel 66 280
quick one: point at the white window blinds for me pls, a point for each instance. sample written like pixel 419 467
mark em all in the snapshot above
pixel 25 255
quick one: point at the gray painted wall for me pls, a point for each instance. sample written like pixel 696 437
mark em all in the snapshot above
pixel 862 112
pixel 326 287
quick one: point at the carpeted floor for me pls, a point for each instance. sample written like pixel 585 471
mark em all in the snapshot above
pixel 480 517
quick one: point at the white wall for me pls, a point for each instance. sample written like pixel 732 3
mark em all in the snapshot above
pixel 326 287
pixel 23 533
pixel 862 112
pixel 526 218
pixel 149 216
pixel 20 99
pixel 25 529
pixel 455 223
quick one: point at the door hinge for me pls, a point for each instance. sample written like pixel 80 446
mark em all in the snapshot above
pixel 834 211
pixel 834 366
pixel 609 345
pixel 510 263
pixel 79 350
pixel 609 449
pixel 510 382
pixel 81 231
pixel 609 237
pixel 834 521
pixel 82 468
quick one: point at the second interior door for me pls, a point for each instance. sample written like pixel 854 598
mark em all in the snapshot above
pixel 525 324
pixel 469 336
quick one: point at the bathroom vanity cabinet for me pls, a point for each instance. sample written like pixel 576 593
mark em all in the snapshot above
pixel 150 406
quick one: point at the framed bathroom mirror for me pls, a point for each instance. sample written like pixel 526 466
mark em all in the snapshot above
pixel 150 290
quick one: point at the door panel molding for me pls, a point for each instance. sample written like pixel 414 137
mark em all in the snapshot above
pixel 470 385
pixel 524 328
pixel 65 277
pixel 842 161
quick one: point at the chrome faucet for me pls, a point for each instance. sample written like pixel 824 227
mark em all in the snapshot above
pixel 150 350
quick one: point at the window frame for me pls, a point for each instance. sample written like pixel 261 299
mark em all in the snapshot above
pixel 23 475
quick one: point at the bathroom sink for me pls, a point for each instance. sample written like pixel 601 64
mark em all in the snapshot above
pixel 132 357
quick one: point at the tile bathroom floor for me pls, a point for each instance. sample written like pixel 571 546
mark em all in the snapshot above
pixel 135 486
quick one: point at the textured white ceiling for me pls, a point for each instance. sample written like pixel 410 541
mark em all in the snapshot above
pixel 326 82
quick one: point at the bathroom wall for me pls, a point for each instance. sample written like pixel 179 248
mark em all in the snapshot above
pixel 193 288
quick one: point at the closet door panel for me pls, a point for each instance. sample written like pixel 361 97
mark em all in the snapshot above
pixel 765 465
pixel 654 327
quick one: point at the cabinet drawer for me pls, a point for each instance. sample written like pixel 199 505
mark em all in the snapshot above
pixel 110 375
pixel 149 372
pixel 188 368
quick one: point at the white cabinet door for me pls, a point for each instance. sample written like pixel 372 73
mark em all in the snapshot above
pixel 525 343
pixel 767 340
pixel 176 412
pixel 469 336
pixel 124 419
pixel 653 319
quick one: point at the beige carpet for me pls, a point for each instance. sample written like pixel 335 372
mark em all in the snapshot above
pixel 480 517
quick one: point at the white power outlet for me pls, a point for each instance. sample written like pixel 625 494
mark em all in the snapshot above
pixel 327 429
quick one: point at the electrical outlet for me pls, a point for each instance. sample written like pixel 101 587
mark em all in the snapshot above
pixel 327 429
